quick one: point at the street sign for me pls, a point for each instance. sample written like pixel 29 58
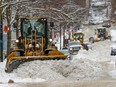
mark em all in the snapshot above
pixel 5 28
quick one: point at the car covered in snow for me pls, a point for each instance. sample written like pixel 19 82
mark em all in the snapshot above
pixel 106 25
pixel 95 22
pixel 74 47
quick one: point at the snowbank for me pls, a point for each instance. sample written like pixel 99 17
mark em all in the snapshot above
pixel 113 45
pixel 100 52
pixel 5 77
pixel 113 34
pixel 78 69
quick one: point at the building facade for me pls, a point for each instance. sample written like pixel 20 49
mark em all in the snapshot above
pixel 100 11
pixel 113 13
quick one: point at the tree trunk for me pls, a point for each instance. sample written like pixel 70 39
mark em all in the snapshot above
pixel 8 15
pixel 17 23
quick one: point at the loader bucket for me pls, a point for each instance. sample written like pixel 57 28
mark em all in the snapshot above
pixel 14 61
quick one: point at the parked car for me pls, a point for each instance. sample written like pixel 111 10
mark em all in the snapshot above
pixel 74 47
pixel 95 22
pixel 106 25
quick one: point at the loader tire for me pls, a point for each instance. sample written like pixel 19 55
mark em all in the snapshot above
pixel 91 40
pixel 109 37
pixel 102 38
pixel 85 47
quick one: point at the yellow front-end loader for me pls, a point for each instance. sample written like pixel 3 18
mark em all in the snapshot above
pixel 100 34
pixel 79 36
pixel 33 44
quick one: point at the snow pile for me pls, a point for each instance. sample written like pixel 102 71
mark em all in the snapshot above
pixel 113 45
pixel 113 74
pixel 78 69
pixel 37 69
pixel 100 52
pixel 5 77
pixel 113 34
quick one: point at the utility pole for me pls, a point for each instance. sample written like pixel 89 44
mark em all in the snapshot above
pixel 1 34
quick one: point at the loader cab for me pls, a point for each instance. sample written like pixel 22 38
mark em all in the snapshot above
pixel 79 36
pixel 27 25
pixel 34 30
pixel 100 32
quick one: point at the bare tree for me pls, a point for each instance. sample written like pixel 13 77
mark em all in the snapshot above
pixel 42 9
pixel 17 23
pixel 8 17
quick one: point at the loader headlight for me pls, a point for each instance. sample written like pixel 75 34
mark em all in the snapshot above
pixel 50 40
pixel 17 41
pixel 70 49
pixel 44 19
pixel 81 48
pixel 37 45
pixel 30 45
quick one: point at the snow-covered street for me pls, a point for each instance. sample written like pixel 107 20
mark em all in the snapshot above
pixel 95 64
pixel 40 35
